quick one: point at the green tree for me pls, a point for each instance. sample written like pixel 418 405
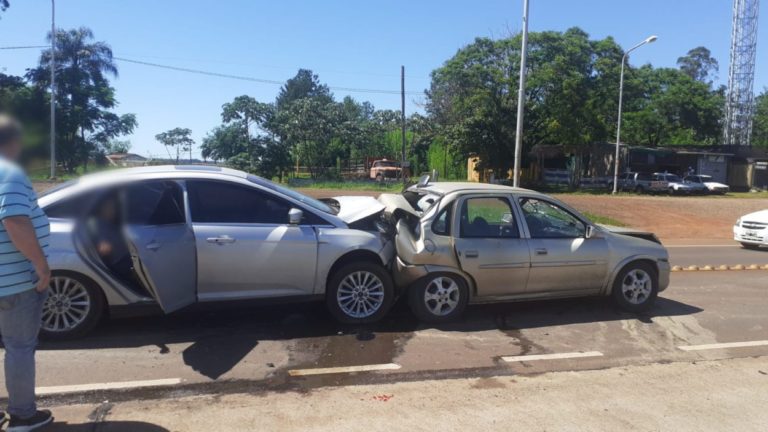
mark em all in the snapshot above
pixel 225 142
pixel 302 86
pixel 310 127
pixel 760 122
pixel 83 95
pixel 117 146
pixel 699 64
pixel 179 139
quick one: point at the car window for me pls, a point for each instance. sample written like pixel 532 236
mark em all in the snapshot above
pixel 548 220
pixel 70 207
pixel 488 218
pixel 222 202
pixel 643 177
pixel 442 223
pixel 154 203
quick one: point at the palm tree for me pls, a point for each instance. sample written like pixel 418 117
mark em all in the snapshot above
pixel 82 88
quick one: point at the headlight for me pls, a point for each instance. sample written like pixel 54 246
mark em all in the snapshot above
pixel 738 222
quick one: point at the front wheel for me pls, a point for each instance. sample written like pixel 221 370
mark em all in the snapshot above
pixel 360 293
pixel 636 287
pixel 750 246
pixel 74 306
pixel 439 298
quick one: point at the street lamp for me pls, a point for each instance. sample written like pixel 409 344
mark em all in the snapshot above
pixel 53 89
pixel 648 40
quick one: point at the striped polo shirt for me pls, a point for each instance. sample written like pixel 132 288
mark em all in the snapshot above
pixel 18 198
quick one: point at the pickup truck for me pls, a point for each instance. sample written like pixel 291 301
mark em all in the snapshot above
pixel 641 183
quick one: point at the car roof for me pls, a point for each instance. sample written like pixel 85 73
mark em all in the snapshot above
pixel 444 188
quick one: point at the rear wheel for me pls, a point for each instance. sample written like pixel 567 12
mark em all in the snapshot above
pixel 440 297
pixel 636 287
pixel 74 306
pixel 359 293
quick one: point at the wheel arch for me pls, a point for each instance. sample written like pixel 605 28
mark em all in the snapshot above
pixel 608 288
pixel 357 255
pixel 88 280
pixel 468 279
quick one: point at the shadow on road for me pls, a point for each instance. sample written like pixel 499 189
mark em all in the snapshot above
pixel 222 338
pixel 107 426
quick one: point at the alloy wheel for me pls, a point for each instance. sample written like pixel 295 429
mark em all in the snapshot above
pixel 442 296
pixel 67 305
pixel 637 286
pixel 360 294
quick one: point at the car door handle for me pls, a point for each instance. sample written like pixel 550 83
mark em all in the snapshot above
pixel 221 240
pixel 541 251
pixel 471 254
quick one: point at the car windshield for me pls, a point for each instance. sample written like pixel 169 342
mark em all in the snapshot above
pixel 304 199
pixel 386 164
pixel 672 178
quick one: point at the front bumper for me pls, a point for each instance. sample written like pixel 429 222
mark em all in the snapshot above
pixel 664 271
pixel 750 236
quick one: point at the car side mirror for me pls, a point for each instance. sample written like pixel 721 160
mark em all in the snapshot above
pixel 295 216
pixel 590 232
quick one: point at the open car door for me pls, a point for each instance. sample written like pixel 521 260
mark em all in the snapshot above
pixel 161 242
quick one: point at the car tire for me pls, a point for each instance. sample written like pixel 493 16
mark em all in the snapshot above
pixel 750 246
pixel 439 297
pixel 636 287
pixel 379 178
pixel 360 284
pixel 76 298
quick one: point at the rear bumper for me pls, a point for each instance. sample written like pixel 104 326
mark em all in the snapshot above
pixel 407 274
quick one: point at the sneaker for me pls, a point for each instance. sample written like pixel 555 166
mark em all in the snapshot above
pixel 40 419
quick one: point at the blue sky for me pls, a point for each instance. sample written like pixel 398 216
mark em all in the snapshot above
pixel 358 44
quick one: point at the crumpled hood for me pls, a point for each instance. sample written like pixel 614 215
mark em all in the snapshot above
pixel 631 232
pixel 758 216
pixel 354 208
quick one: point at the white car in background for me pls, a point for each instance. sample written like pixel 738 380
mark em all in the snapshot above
pixel 752 230
pixel 706 181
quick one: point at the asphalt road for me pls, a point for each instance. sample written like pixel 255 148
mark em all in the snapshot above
pixel 715 255
pixel 276 347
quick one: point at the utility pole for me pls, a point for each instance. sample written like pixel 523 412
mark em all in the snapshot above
pixel 402 120
pixel 521 99
pixel 53 89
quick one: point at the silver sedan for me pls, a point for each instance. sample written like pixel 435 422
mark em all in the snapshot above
pixel 460 243
pixel 175 236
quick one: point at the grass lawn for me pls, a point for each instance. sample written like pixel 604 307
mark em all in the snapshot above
pixel 603 220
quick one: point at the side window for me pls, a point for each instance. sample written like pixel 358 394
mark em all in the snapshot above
pixel 488 218
pixel 221 202
pixel 70 207
pixel 442 223
pixel 154 203
pixel 548 220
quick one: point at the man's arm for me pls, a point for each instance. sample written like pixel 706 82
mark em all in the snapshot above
pixel 22 234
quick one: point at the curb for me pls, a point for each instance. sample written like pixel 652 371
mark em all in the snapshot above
pixel 719 268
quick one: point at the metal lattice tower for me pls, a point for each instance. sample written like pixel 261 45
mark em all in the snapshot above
pixel 740 102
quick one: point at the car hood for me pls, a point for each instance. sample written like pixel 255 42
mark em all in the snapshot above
pixel 632 232
pixel 680 185
pixel 714 184
pixel 355 208
pixel 758 216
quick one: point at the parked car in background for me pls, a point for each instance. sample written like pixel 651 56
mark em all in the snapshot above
pixel 480 243
pixel 751 230
pixel 676 185
pixel 707 183
pixel 640 183
pixel 385 169
pixel 182 235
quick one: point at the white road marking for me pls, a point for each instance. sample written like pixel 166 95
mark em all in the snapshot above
pixel 701 246
pixel 106 386
pixel 525 358
pixel 344 369
pixel 723 345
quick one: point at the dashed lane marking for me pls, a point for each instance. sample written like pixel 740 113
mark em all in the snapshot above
pixel 723 345
pixel 525 358
pixel 42 391
pixel 344 369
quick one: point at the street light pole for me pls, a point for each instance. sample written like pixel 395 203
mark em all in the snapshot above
pixel 521 99
pixel 621 97
pixel 53 89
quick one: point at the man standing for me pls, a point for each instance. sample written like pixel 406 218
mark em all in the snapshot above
pixel 24 278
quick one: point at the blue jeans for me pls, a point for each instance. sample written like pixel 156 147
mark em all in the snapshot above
pixel 20 316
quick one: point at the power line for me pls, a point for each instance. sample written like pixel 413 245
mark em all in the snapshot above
pixel 24 47
pixel 251 79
